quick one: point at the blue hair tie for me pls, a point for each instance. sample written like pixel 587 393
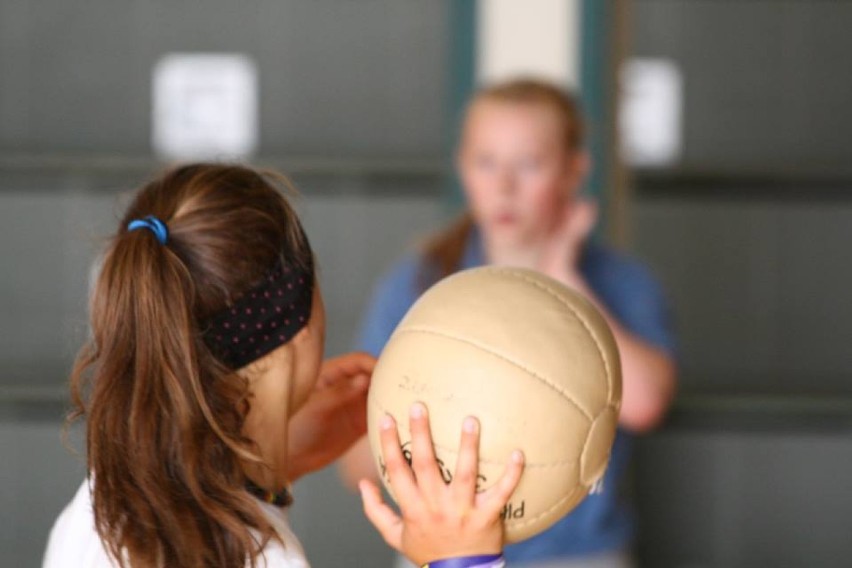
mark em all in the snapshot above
pixel 152 224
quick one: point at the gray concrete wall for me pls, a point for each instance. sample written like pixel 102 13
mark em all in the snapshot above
pixel 726 498
pixel 355 78
pixel 764 87
pixel 760 289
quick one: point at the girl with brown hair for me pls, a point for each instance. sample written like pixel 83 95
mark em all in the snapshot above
pixel 205 394
pixel 521 163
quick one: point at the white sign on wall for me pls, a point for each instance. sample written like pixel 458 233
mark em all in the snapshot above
pixel 651 112
pixel 204 106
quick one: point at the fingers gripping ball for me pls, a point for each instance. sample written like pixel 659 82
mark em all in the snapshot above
pixel 533 360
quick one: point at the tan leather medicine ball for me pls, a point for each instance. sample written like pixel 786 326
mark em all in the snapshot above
pixel 532 360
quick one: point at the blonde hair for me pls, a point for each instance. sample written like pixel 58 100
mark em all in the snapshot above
pixel 536 92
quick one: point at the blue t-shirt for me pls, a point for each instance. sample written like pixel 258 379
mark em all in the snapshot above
pixel 603 521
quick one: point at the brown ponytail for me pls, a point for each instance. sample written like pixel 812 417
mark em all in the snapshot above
pixel 164 417
pixel 442 253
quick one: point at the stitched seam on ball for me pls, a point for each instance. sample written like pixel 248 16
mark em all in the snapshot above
pixel 576 314
pixel 483 460
pixel 491 351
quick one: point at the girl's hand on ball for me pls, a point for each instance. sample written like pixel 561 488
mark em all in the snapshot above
pixel 438 520
pixel 334 416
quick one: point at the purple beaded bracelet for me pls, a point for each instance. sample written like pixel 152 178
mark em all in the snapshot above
pixel 480 561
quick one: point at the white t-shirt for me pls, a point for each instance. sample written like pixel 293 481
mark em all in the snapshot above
pixel 74 542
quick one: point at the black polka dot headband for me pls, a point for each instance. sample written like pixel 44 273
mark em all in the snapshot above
pixel 263 318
